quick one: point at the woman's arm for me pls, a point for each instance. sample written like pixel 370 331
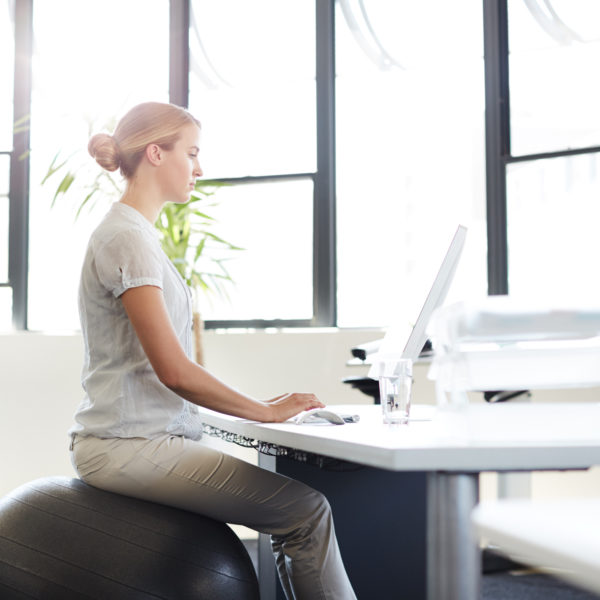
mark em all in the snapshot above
pixel 145 307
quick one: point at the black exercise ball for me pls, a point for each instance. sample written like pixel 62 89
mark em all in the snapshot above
pixel 61 538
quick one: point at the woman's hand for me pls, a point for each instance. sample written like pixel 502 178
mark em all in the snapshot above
pixel 286 406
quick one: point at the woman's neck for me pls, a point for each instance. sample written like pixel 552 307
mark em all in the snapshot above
pixel 145 201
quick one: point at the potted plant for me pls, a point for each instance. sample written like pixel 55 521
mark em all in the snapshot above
pixel 186 230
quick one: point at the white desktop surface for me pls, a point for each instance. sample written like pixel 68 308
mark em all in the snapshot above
pixel 559 534
pixel 479 437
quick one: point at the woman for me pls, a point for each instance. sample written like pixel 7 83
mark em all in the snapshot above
pixel 138 430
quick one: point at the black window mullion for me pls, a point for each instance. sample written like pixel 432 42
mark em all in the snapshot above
pixel 18 234
pixel 249 179
pixel 324 229
pixel 256 323
pixel 497 140
pixel 179 52
pixel 554 154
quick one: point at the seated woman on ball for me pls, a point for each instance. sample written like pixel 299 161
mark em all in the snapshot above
pixel 137 431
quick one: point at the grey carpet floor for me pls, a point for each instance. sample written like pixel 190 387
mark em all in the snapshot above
pixel 530 586
pixel 503 586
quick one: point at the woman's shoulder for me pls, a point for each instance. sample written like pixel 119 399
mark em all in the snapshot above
pixel 125 223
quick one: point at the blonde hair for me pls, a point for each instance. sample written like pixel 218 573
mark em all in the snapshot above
pixel 147 123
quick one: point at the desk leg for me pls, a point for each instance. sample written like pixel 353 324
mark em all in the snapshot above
pixel 268 580
pixel 453 556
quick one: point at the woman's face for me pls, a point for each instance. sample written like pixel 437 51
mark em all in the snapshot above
pixel 181 168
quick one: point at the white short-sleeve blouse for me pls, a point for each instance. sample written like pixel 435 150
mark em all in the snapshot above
pixel 123 395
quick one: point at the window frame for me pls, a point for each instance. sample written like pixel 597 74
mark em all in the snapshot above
pixel 9 153
pixel 497 148
pixel 324 216
pixel 498 143
pixel 324 242
pixel 18 193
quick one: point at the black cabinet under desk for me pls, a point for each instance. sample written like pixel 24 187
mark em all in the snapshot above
pixel 380 523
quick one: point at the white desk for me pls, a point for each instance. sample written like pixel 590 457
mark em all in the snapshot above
pixel 485 437
pixel 452 449
pixel 559 534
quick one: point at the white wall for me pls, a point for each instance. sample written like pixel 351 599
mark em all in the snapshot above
pixel 40 390
pixel 40 387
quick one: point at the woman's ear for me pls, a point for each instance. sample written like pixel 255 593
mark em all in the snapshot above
pixel 154 154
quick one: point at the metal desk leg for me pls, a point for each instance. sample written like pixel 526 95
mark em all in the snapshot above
pixel 453 556
pixel 268 580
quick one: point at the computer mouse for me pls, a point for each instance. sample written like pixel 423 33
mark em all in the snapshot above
pixel 319 415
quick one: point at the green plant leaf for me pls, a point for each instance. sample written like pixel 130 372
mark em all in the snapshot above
pixel 85 201
pixel 63 186
pixel 199 250
pixel 202 215
pixel 53 168
pixel 21 124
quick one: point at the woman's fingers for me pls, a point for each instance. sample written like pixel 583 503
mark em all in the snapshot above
pixel 272 400
pixel 289 405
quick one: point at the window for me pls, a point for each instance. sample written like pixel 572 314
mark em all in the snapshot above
pixel 553 216
pixel 272 222
pixel 4 177
pixel 252 85
pixel 554 98
pixel 7 46
pixel 7 49
pixel 553 171
pixel 410 153
pixel 83 78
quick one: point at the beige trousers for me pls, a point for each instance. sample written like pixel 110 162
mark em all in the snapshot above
pixel 187 474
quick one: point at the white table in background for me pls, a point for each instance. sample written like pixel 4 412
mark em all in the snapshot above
pixel 561 535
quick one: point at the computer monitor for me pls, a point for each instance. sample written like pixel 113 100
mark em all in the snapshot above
pixel 407 342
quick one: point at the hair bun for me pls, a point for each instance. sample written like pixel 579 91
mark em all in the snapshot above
pixel 105 150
